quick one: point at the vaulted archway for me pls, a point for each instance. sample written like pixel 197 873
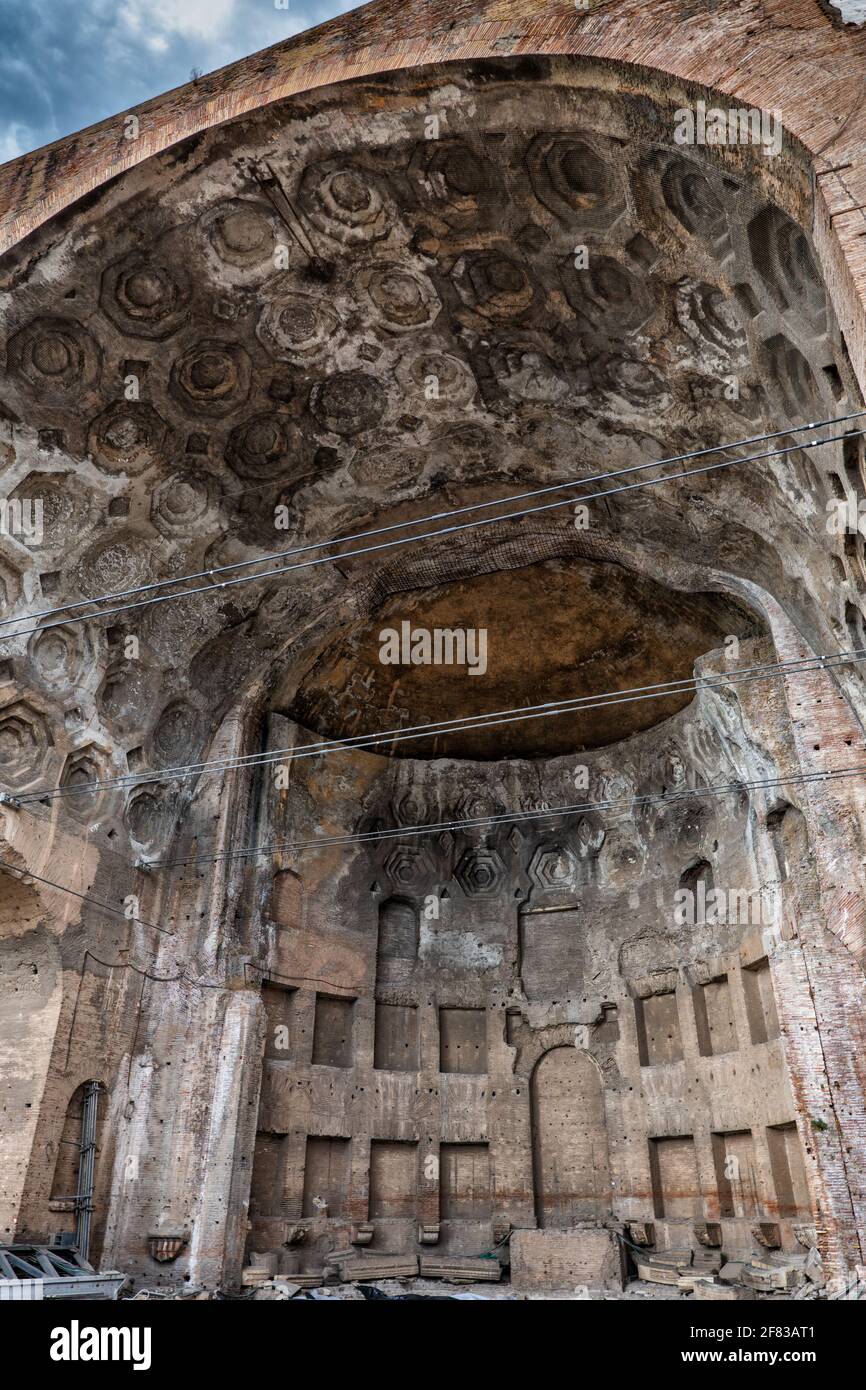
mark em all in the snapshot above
pixel 328 316
pixel 571 1167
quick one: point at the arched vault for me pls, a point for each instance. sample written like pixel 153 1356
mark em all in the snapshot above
pixel 393 270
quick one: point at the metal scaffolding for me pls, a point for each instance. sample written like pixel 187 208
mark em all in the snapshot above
pixel 86 1168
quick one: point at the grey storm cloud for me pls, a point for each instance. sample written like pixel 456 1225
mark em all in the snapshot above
pixel 64 66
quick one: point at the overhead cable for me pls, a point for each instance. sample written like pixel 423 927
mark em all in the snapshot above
pixel 462 724
pixel 440 532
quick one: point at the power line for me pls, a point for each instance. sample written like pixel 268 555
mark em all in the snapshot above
pixel 515 817
pixel 407 832
pixel 806 664
pixel 156 979
pixel 29 804
pixel 83 897
pixel 462 724
pixel 434 516
pixel 440 532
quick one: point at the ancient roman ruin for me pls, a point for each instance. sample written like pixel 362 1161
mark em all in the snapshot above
pixel 559 998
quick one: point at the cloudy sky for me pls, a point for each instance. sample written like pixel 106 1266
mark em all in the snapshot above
pixel 67 63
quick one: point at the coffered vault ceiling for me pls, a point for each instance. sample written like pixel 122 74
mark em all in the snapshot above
pixel 413 260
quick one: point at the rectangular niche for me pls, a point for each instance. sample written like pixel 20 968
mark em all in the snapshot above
pixel 396 1044
pixel 463 1041
pixel 326 1176
pixel 714 1018
pixel 789 1172
pixel 268 1179
pixel 393 1178
pixel 760 1003
pixel 464 1182
pixel 281 1027
pixel 736 1180
pixel 674 1175
pixel 551 953
pixel 658 1029
pixel 332 1032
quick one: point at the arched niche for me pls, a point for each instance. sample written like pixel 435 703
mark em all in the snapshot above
pixel 20 907
pixel 397 944
pixel 570 1159
pixel 787 829
pixel 288 899
pixel 695 887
